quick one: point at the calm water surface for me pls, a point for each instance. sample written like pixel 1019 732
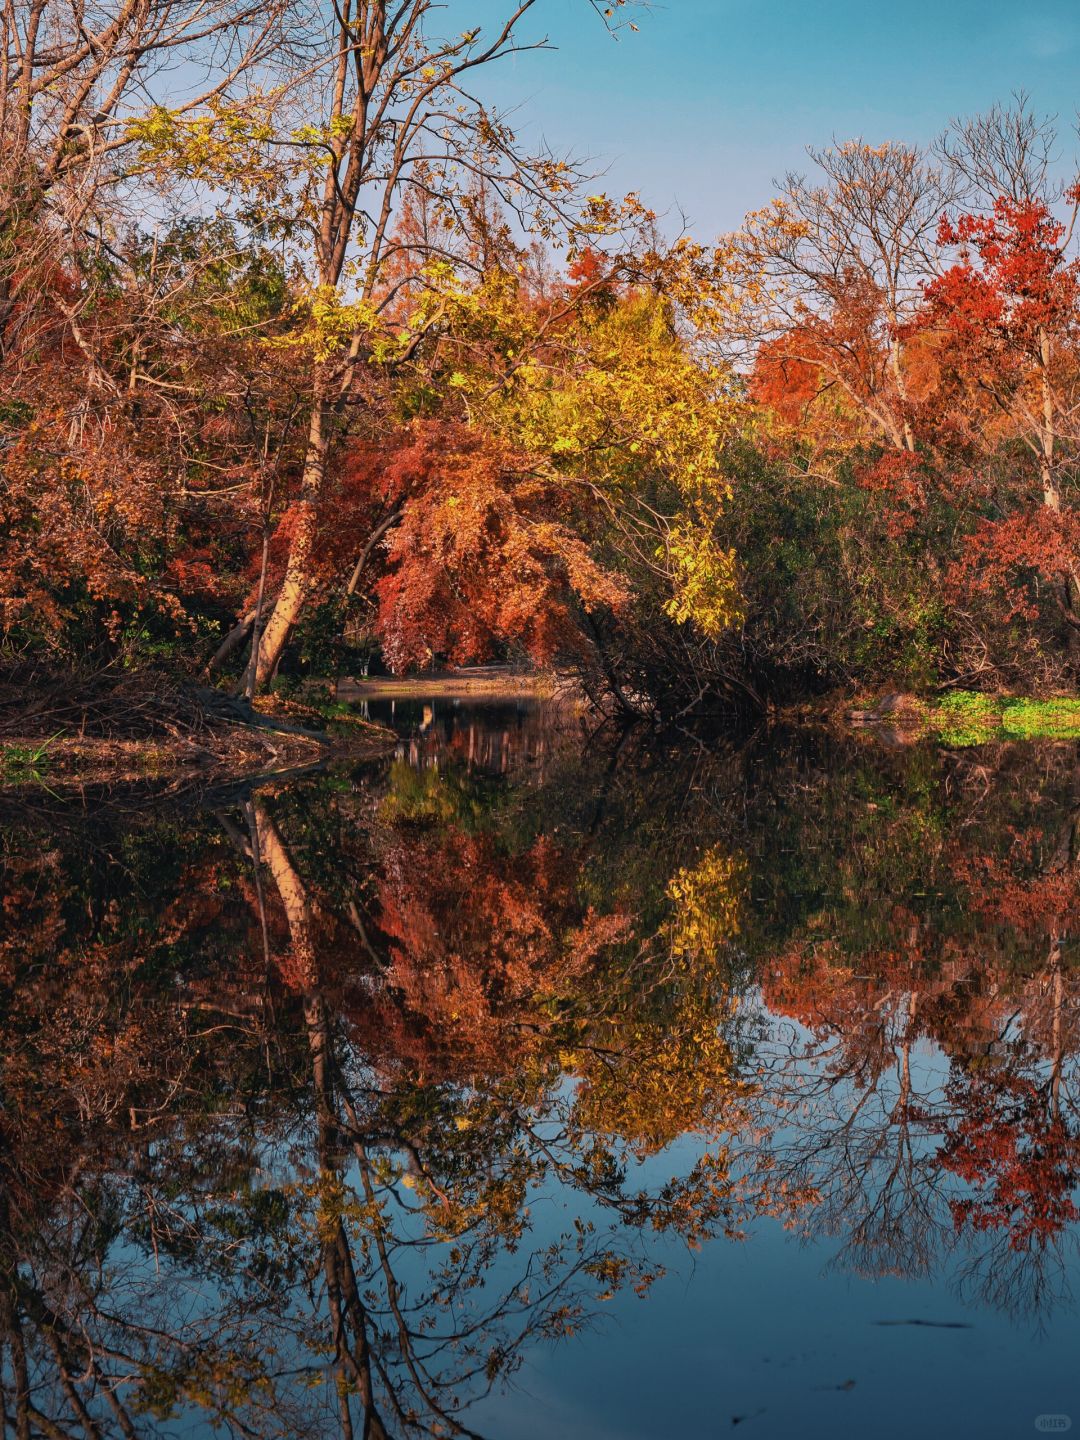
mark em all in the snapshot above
pixel 529 1084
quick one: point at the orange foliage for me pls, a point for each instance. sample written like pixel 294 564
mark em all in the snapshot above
pixel 787 376
pixel 483 553
pixel 1036 541
pixel 1023 285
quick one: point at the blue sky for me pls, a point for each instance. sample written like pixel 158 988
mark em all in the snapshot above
pixel 712 99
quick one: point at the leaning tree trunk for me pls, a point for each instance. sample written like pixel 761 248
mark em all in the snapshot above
pixel 300 969
pixel 301 563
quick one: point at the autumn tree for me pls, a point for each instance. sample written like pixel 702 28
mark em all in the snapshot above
pixel 915 353
pixel 73 85
pixel 385 109
pixel 603 380
pixel 836 264
pixel 1004 317
pixel 554 443
pixel 98 319
pixel 141 448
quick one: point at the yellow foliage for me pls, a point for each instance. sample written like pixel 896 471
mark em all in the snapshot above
pixel 707 902
pixel 226 144
pixel 613 398
pixel 704 580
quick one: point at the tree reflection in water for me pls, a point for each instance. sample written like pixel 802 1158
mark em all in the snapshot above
pixel 325 1105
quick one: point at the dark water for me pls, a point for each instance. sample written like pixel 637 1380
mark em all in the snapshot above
pixel 527 1084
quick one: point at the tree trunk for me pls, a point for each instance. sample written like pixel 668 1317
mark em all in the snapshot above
pixel 298 572
pixel 907 434
pixel 257 620
pixel 236 636
pixel 1051 493
pixel 301 970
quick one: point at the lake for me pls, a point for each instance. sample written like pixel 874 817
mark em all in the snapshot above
pixel 534 1081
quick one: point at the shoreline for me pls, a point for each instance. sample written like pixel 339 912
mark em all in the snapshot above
pixel 478 682
pixel 272 740
pixel 237 753
pixel 952 718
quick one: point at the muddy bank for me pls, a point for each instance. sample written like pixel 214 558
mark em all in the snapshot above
pixel 475 682
pixel 62 762
pixel 148 727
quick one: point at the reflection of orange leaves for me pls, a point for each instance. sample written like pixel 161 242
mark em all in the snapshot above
pixel 817 985
pixel 97 1033
pixel 476 937
pixel 886 994
pixel 1012 891
pixel 1021 1160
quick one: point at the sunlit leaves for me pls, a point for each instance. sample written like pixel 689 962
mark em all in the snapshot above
pixel 704 581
